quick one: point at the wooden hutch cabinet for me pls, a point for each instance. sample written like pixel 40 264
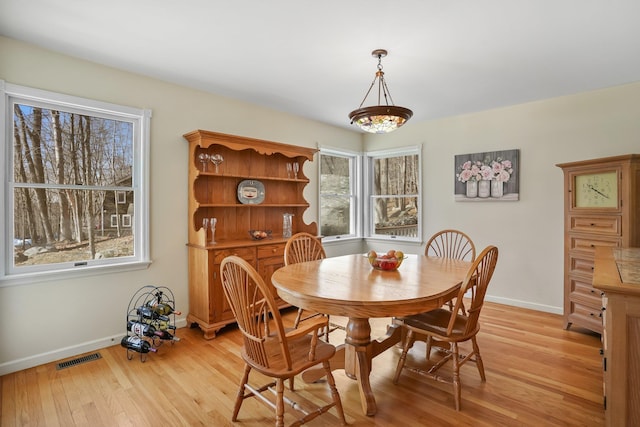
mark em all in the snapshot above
pixel 601 209
pixel 251 189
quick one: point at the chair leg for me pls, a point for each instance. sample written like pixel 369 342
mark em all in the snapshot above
pixel 279 402
pixel 334 392
pixel 479 363
pixel 408 342
pixel 298 317
pixel 326 331
pixel 456 375
pixel 240 395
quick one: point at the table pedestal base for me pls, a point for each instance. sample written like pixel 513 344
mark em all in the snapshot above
pixel 355 357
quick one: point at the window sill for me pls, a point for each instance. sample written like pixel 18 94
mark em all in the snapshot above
pixel 337 241
pixel 71 273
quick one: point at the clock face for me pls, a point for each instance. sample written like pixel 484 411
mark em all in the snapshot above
pixel 596 190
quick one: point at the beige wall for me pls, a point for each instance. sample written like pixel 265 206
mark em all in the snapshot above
pixel 51 320
pixel 529 233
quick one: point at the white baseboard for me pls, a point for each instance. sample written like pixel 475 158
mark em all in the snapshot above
pixel 524 304
pixel 63 353
pixel 66 352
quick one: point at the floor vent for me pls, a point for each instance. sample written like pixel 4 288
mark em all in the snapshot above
pixel 77 361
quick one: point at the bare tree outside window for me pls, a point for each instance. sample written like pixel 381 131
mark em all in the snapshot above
pixel 394 195
pixel 66 170
pixel 337 195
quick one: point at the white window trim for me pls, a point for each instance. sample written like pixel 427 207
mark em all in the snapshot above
pixel 356 183
pixel 368 211
pixel 140 180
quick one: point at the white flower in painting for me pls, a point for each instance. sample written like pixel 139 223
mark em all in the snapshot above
pixel 503 176
pixel 470 171
pixel 501 170
pixel 486 173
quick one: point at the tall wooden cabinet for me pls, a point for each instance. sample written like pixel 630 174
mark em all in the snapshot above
pixel 617 274
pixel 601 209
pixel 252 189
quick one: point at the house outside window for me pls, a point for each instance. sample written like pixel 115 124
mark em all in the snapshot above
pixel 74 168
pixel 340 189
pixel 394 195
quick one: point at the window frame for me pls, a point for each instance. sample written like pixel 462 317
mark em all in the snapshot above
pixel 369 199
pixel 140 118
pixel 355 193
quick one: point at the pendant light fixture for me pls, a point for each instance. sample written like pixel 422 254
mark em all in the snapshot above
pixel 380 118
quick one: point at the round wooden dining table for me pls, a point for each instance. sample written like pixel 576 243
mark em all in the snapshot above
pixel 348 286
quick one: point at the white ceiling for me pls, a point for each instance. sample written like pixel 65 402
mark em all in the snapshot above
pixel 314 59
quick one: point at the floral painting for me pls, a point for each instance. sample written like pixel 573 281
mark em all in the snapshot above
pixel 490 176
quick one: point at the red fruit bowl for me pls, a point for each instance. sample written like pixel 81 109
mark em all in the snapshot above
pixel 385 262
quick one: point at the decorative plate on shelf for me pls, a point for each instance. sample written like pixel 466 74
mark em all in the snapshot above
pixel 251 192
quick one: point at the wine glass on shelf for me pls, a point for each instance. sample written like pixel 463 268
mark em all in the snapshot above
pixel 289 169
pixel 296 168
pixel 216 159
pixel 212 223
pixel 205 227
pixel 204 158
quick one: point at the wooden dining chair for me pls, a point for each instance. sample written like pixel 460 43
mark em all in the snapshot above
pixel 271 350
pixel 303 247
pixel 452 244
pixel 453 327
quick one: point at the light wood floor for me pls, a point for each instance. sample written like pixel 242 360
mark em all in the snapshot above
pixel 537 375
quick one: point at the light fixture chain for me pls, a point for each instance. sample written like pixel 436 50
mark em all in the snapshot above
pixel 367 94
pixel 386 91
pixel 381 83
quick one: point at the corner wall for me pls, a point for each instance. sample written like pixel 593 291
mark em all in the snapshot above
pixel 529 232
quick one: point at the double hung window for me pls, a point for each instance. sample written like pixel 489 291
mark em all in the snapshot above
pixel 340 210
pixel 75 185
pixel 393 191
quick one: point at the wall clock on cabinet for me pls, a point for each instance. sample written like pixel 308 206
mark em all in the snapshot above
pixel 596 190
